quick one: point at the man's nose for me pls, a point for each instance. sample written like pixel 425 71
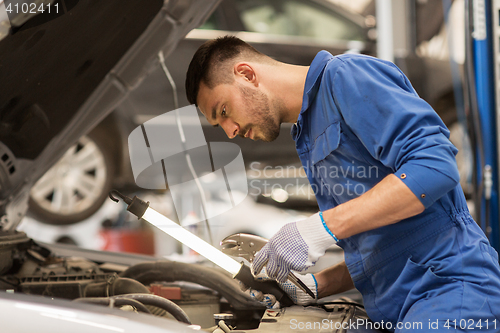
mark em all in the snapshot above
pixel 231 128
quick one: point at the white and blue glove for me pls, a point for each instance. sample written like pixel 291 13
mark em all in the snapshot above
pixel 296 294
pixel 296 246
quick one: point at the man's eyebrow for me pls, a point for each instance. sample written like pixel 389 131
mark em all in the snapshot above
pixel 214 110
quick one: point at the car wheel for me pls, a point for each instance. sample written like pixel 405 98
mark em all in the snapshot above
pixel 77 185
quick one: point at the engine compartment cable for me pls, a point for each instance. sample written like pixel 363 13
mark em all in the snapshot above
pixel 203 202
pixel 160 302
pixel 114 302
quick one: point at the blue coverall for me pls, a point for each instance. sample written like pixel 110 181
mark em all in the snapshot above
pixel 360 121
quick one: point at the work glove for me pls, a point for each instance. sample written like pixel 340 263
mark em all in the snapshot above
pixel 296 246
pixel 296 294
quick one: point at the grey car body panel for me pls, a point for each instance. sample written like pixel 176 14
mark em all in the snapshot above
pixel 57 315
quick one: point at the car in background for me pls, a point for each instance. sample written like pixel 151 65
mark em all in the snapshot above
pixel 292 31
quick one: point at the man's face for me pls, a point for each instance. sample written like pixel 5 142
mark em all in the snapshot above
pixel 240 110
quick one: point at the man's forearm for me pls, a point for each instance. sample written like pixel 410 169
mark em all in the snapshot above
pixel 333 280
pixel 390 201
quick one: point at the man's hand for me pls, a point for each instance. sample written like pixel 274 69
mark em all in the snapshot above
pixel 296 246
pixel 296 294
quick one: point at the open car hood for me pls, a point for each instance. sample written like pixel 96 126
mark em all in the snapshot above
pixel 62 72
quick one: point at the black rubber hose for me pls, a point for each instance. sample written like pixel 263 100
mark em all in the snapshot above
pixel 159 302
pixel 213 278
pixel 117 301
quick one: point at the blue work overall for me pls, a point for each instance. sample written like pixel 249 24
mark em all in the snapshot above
pixel 361 120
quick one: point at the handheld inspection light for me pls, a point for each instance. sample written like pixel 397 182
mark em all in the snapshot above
pixel 238 270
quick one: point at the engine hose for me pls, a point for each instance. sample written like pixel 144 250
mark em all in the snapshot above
pixel 114 301
pixel 159 302
pixel 215 279
pixel 114 286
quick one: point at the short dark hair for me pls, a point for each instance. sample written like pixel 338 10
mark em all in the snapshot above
pixel 208 61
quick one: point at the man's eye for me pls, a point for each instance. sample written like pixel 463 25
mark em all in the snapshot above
pixel 223 113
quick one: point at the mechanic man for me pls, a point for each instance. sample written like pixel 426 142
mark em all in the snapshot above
pixel 385 177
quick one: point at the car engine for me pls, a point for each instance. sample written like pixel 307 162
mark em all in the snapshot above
pixel 190 293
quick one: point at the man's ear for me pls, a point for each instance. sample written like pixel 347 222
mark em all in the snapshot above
pixel 246 72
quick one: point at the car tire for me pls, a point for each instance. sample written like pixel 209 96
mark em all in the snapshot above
pixel 77 185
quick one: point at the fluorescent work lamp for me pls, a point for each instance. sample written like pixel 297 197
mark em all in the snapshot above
pixel 238 270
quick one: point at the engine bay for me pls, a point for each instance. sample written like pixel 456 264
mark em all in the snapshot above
pixel 195 294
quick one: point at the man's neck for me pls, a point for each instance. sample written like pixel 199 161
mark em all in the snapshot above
pixel 287 84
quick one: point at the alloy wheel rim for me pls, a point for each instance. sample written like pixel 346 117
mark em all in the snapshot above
pixel 74 183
